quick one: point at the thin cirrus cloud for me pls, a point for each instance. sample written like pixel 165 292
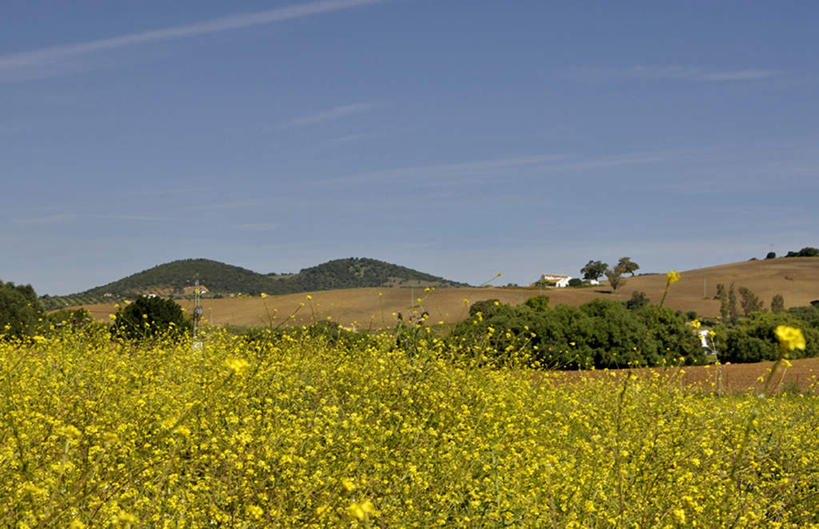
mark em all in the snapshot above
pixel 51 61
pixel 332 114
pixel 48 219
pixel 259 227
pixel 499 168
pixel 674 73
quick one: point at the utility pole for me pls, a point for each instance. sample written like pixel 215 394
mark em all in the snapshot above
pixel 197 315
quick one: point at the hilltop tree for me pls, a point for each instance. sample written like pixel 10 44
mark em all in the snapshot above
pixel 807 251
pixel 771 255
pixel 615 277
pixel 594 269
pixel 627 266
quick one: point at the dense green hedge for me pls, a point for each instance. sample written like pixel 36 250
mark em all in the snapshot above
pixel 753 339
pixel 600 333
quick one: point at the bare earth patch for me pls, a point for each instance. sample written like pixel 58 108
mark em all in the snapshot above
pixel 802 376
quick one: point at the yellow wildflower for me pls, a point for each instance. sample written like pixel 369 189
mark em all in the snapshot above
pixel 696 324
pixel 348 484
pixel 361 511
pixel 672 277
pixel 790 338
pixel 237 365
pixel 263 295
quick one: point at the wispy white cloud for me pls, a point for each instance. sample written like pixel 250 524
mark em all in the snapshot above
pixel 675 72
pixel 349 138
pixel 257 227
pixel 48 219
pixel 136 218
pixel 52 61
pixel 331 114
pixel 500 168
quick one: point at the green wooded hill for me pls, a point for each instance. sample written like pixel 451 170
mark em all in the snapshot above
pixel 220 278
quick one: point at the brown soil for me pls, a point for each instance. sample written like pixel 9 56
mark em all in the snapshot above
pixel 802 376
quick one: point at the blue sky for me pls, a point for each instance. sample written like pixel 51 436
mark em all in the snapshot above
pixel 461 138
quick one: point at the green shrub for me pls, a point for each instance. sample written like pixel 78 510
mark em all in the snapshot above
pixel 537 303
pixel 485 307
pixel 19 310
pixel 638 300
pixel 601 333
pixel 149 317
pixel 753 339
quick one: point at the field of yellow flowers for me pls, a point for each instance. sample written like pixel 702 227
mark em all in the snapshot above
pixel 296 432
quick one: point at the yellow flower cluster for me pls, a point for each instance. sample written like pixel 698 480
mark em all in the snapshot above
pixel 315 434
pixel 790 338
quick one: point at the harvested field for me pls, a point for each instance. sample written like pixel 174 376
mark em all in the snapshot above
pixel 801 376
pixel 796 279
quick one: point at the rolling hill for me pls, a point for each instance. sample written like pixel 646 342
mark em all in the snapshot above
pixel 796 279
pixel 177 278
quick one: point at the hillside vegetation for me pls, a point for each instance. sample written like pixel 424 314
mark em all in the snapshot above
pixel 177 277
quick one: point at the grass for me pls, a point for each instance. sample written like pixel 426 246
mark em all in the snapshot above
pixel 298 433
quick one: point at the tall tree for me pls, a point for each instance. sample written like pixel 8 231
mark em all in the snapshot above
pixel 594 269
pixel 19 309
pixel 733 311
pixel 628 266
pixel 722 296
pixel 749 301
pixel 615 277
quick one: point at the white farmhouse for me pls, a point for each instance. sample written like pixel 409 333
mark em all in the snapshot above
pixel 560 281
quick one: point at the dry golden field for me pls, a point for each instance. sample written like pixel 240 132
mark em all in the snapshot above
pixel 797 279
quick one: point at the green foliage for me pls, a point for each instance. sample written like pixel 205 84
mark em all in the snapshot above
pixel 593 269
pixel 485 307
pixel 69 319
pixel 638 300
pixel 19 310
pixel 600 333
pixel 149 317
pixel 749 301
pixel 627 266
pixel 771 255
pixel 804 252
pixel 753 339
pixel 538 303
pixel 575 282
pixel 615 278
pixel 733 312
